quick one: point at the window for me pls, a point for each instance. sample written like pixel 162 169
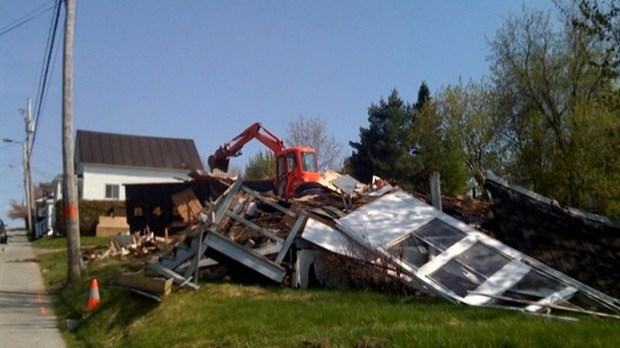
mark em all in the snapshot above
pixel 308 160
pixel 427 242
pixel 111 191
pixel 439 234
pixel 292 161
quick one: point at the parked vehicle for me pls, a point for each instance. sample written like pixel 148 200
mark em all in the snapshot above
pixel 4 238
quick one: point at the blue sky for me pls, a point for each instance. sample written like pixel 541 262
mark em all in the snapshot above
pixel 205 70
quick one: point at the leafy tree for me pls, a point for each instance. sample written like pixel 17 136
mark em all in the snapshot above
pixel 471 125
pixel 261 166
pixel 436 150
pixel 428 148
pixel 313 132
pixel 555 104
pixel 384 148
pixel 599 19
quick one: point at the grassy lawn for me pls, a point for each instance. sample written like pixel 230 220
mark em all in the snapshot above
pixel 233 315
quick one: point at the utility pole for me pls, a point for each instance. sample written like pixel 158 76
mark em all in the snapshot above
pixel 30 199
pixel 70 200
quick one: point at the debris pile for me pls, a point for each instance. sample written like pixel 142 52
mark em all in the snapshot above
pixel 389 232
pixel 582 245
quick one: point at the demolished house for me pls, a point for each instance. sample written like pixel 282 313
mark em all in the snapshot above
pixel 386 229
pixel 581 245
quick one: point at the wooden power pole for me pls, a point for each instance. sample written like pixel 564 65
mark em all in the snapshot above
pixel 70 196
pixel 30 199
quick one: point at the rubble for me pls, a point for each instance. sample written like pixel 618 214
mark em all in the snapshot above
pixel 124 244
pixel 582 245
pixel 378 227
pixel 440 255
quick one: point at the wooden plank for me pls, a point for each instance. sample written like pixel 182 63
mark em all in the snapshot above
pixel 187 204
pixel 111 226
pixel 157 286
pixel 223 202
pixel 233 202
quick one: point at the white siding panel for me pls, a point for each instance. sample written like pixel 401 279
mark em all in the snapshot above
pixel 95 177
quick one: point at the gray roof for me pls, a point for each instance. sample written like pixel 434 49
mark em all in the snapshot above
pixel 136 151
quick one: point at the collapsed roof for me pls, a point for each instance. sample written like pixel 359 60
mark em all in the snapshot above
pixel 443 256
pixel 410 240
pixel 582 245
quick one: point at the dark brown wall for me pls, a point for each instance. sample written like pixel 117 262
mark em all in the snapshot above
pixel 586 250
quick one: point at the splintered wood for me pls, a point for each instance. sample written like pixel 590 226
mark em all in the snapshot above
pixel 242 231
pixel 187 204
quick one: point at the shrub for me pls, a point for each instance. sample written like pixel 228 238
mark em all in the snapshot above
pixel 89 212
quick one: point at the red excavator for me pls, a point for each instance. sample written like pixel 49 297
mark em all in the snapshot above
pixel 296 167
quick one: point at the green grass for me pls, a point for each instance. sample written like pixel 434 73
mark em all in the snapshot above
pixel 61 242
pixel 232 315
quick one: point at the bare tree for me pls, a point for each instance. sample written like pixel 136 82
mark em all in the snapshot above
pixel 18 211
pixel 313 132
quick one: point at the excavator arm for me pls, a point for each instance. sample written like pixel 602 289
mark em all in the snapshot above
pixel 221 158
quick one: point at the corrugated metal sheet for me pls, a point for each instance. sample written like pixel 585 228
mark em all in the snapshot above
pixel 136 151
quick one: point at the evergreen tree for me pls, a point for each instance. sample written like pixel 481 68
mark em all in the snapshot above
pixel 385 146
pixel 424 95
pixel 260 167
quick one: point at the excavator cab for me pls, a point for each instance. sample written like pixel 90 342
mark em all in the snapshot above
pixel 296 171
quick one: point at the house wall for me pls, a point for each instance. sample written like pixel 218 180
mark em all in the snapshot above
pixel 95 178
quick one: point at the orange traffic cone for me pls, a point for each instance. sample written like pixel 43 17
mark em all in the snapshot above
pixel 93 297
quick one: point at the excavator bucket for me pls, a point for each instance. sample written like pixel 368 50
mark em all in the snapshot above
pixel 218 164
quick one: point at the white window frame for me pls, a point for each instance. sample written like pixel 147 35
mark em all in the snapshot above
pixel 111 189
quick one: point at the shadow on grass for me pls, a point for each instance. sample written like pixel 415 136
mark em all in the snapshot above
pixel 118 308
pixel 126 308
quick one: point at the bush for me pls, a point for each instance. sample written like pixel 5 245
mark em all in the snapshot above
pixel 89 212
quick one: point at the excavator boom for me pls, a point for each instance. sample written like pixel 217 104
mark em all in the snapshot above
pixel 221 158
pixel 296 167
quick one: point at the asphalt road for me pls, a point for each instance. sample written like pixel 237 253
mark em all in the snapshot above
pixel 26 316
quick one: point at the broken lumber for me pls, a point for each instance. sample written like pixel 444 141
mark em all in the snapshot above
pixel 155 286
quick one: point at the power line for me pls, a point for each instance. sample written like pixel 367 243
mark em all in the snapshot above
pixel 45 72
pixel 26 18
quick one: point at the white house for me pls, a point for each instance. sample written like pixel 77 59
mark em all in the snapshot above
pixel 105 162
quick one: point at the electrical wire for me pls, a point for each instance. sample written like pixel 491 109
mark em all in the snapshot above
pixel 45 72
pixel 27 18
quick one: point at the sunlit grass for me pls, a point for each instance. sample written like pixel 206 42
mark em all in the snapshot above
pixel 61 242
pixel 233 315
